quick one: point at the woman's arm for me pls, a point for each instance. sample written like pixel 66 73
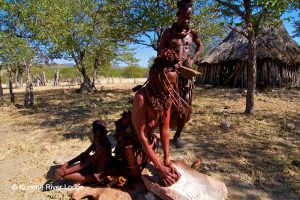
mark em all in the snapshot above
pixel 164 130
pixel 138 121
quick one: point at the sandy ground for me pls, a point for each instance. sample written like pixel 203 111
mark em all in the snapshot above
pixel 255 157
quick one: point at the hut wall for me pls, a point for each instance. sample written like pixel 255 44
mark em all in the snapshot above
pixel 270 73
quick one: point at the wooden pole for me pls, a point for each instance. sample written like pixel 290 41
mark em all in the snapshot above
pixel 29 97
pixel 1 89
pixel 11 93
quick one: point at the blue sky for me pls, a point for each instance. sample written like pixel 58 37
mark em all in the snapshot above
pixel 143 53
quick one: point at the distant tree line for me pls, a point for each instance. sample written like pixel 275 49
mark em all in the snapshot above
pixel 96 34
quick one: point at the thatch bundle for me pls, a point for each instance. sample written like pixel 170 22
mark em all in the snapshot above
pixel 278 60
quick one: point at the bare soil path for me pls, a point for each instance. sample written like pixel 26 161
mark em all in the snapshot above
pixel 255 157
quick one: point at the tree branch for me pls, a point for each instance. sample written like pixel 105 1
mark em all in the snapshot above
pixel 239 31
pixel 145 44
pixel 233 8
pixel 256 24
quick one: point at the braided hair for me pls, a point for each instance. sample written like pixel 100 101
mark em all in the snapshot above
pixel 160 92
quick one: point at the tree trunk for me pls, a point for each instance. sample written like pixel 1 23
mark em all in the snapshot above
pixel 56 77
pixel 16 79
pixel 29 97
pixel 11 93
pixel 43 79
pixel 96 65
pixel 21 80
pixel 1 89
pixel 94 76
pixel 251 73
pixel 86 86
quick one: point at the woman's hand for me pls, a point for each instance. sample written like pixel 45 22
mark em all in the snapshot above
pixel 173 170
pixel 168 174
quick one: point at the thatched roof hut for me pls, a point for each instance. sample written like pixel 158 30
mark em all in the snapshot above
pixel 278 60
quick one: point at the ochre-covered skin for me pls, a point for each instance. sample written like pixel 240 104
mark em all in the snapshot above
pixel 86 168
pixel 180 38
pixel 151 109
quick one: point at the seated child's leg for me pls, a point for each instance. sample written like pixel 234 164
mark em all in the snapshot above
pixel 79 178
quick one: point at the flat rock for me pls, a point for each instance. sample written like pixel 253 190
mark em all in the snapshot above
pixel 111 95
pixel 296 163
pixel 100 194
pixel 151 196
pixel 191 186
pixel 226 107
pixel 290 126
pixel 225 125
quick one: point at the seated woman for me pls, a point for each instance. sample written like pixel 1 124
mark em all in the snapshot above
pixel 151 109
pixel 86 168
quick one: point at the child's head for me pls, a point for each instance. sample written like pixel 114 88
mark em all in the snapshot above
pixel 99 130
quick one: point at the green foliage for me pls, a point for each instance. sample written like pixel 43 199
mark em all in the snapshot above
pixel 134 72
pixel 4 77
pixel 14 50
pixel 64 72
pixel 252 13
pixel 148 19
pixel 37 70
pixel 85 31
pixel 126 72
pixel 151 61
pixel 297 22
pixel 112 72
pixel 68 73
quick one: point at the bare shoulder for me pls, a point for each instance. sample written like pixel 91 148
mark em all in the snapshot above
pixel 139 99
pixel 194 32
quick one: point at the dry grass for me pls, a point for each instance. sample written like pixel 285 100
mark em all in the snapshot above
pixel 253 157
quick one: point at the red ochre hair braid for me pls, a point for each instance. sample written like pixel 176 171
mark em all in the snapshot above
pixel 160 93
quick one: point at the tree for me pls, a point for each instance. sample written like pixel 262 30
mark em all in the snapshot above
pixel 18 31
pixel 14 51
pixel 84 31
pixel 1 89
pixel 134 72
pixel 295 5
pixel 251 14
pixel 148 19
pixel 151 61
pixel 105 52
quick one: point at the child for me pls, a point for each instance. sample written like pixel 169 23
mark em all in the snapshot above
pixel 89 167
